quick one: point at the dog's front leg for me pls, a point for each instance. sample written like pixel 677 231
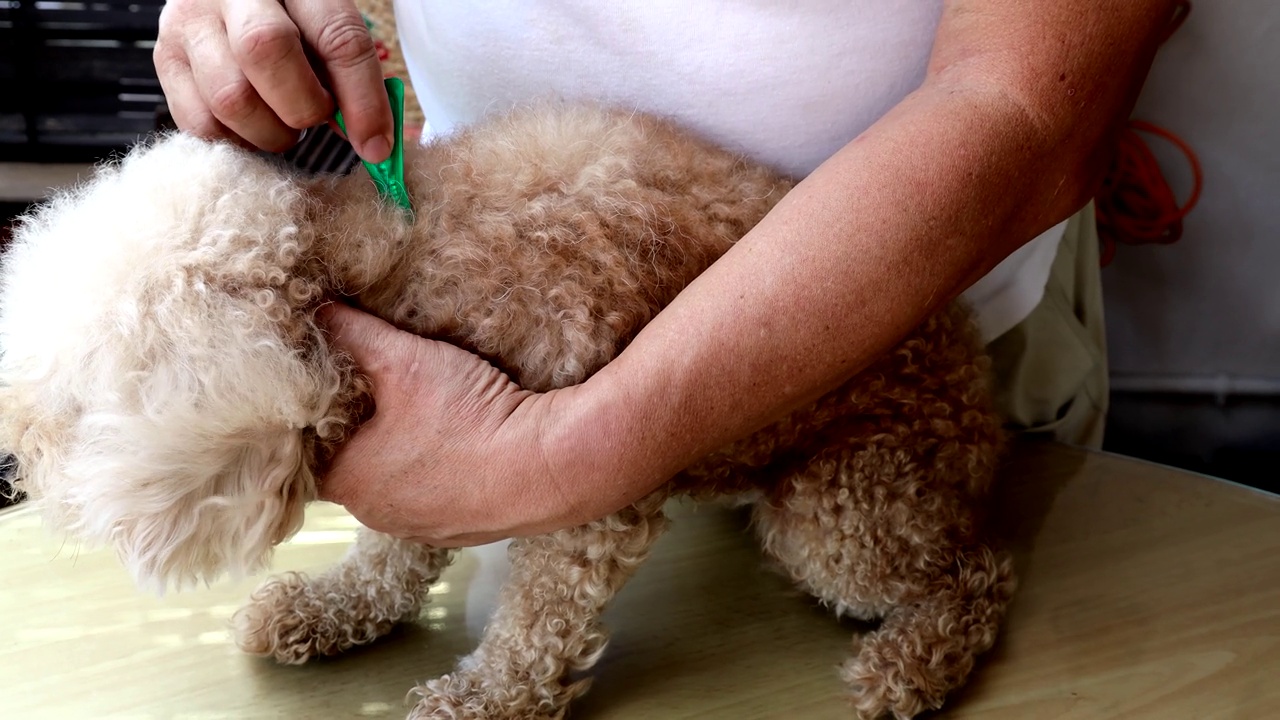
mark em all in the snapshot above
pixel 547 622
pixel 382 581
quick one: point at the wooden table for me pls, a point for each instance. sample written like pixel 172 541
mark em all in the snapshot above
pixel 1147 593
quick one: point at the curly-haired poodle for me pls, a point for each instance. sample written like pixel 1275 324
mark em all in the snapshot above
pixel 165 389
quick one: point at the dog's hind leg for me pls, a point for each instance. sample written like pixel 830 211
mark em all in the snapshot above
pixel 883 534
pixel 927 646
pixel 382 581
pixel 547 622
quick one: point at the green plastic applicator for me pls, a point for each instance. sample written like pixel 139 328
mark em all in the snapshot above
pixel 388 175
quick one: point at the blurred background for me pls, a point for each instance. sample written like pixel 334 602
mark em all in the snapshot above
pixel 1193 309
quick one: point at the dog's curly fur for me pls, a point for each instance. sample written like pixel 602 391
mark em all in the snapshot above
pixel 165 389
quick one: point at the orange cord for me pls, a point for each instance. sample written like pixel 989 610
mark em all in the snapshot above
pixel 1136 206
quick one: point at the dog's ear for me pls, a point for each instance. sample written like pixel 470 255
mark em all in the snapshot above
pixel 180 506
pixel 177 531
pixel 158 370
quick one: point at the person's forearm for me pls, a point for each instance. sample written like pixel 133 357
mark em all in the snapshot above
pixel 895 225
pixel 889 229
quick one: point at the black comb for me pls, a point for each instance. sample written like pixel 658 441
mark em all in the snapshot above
pixel 321 150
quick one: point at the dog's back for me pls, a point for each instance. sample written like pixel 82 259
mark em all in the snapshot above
pixel 548 237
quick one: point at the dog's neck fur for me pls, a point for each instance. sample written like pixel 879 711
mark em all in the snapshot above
pixel 358 237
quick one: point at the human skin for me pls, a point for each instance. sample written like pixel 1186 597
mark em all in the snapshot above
pixel 1008 135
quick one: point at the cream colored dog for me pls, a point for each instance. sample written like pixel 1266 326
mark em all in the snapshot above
pixel 166 390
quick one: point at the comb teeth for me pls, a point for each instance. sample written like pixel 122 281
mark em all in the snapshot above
pixel 322 150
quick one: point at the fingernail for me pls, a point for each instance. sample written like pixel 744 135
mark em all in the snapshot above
pixel 378 149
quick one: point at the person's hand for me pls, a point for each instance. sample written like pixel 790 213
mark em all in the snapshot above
pixel 242 70
pixel 452 455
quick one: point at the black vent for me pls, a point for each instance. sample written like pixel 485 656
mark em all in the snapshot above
pixel 78 79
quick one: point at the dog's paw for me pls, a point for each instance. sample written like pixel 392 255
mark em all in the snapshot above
pixel 293 618
pixel 472 695
pixel 878 692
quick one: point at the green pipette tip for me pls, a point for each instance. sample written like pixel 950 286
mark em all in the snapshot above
pixel 388 175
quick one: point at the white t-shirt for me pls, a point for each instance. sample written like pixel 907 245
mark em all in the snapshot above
pixel 787 83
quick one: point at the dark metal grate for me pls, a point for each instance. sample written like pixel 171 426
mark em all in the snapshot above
pixel 78 78
pixel 322 150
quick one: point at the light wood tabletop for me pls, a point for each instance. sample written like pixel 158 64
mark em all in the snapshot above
pixel 1146 593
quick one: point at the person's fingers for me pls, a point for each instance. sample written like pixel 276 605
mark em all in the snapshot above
pixel 336 33
pixel 345 475
pixel 379 348
pixel 240 69
pixel 267 46
pixel 183 97
pixel 229 95
pixel 369 341
pixel 173 68
pixel 456 542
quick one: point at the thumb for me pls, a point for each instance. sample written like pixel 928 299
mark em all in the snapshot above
pixel 370 340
